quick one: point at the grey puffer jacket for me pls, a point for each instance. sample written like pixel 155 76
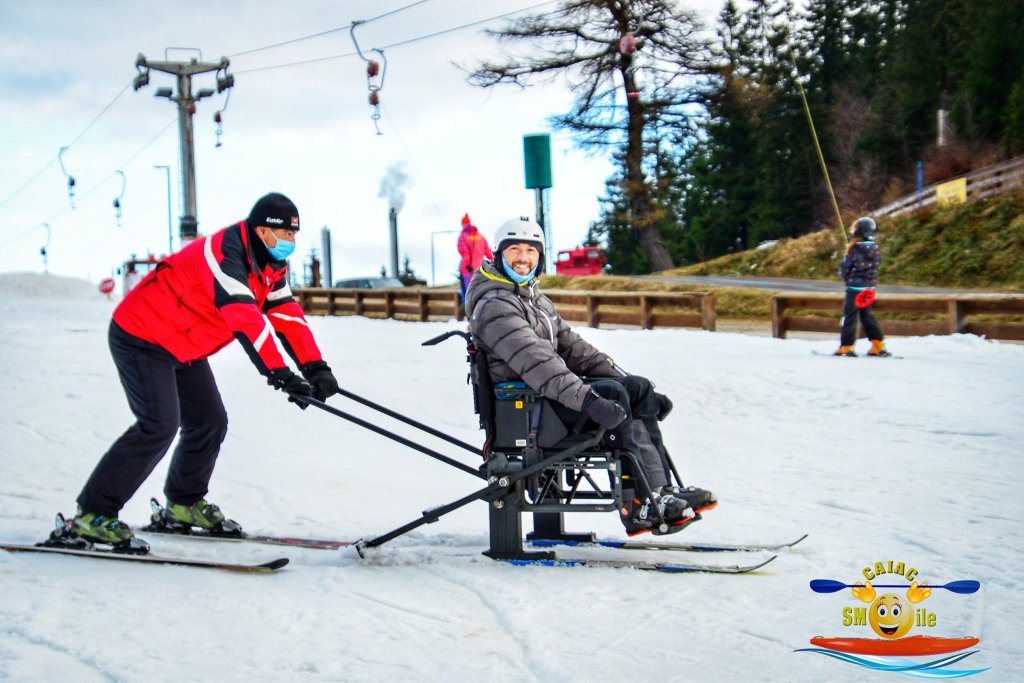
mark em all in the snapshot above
pixel 526 340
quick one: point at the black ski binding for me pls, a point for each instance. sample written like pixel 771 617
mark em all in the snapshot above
pixel 64 536
pixel 159 523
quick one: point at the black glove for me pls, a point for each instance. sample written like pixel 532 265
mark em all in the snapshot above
pixel 290 383
pixel 321 379
pixel 664 406
pixel 608 414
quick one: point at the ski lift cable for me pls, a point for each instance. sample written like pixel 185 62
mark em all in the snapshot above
pixel 328 31
pixel 400 43
pixel 95 187
pixel 103 111
pixel 70 144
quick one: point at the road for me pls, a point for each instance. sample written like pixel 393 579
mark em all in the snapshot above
pixel 794 285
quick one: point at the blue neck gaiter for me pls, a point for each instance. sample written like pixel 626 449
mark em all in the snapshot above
pixel 516 277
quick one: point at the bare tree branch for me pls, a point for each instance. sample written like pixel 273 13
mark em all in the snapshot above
pixel 623 96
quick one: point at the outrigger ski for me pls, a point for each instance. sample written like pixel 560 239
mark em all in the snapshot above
pixel 689 547
pixel 158 524
pixel 669 567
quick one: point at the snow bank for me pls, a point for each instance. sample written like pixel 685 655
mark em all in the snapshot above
pixel 914 460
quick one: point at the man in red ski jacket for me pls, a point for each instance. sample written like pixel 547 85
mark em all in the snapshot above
pixel 218 288
pixel 474 249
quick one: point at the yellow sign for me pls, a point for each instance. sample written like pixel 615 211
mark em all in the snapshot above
pixel 953 192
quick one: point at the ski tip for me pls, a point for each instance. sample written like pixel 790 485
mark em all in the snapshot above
pixel 262 568
pixel 274 565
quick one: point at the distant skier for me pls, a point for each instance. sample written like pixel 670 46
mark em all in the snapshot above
pixel 194 303
pixel 859 270
pixel 526 340
pixel 474 249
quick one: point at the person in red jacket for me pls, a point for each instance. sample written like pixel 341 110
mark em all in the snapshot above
pixel 474 249
pixel 226 286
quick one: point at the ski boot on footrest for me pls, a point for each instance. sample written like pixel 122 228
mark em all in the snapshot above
pixel 698 499
pixel 201 517
pixel 672 515
pixel 85 530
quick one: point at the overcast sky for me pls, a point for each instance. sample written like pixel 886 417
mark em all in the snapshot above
pixel 297 122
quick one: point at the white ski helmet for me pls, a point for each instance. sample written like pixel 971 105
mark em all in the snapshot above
pixel 517 231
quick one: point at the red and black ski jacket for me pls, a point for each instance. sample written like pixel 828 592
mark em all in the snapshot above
pixel 196 300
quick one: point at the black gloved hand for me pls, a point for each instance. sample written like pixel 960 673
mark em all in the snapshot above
pixel 608 414
pixel 664 406
pixel 321 379
pixel 293 385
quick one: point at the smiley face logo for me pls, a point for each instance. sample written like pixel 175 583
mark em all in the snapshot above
pixel 889 617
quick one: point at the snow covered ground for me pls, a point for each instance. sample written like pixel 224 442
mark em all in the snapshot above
pixel 915 460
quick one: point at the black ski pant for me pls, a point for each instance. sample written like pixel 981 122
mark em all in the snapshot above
pixel 639 434
pixel 165 396
pixel 850 316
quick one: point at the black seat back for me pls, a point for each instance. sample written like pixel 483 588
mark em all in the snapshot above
pixel 509 411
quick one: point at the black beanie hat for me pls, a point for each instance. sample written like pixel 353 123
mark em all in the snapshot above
pixel 274 210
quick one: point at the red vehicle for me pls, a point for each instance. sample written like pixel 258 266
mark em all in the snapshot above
pixel 580 261
pixel 134 269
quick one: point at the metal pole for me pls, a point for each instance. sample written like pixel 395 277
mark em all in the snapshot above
pixel 393 224
pixel 170 231
pixel 328 271
pixel 542 221
pixel 186 103
pixel 186 107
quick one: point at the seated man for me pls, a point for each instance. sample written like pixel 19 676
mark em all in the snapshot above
pixel 526 340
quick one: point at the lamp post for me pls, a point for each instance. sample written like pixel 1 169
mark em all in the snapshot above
pixel 170 234
pixel 433 277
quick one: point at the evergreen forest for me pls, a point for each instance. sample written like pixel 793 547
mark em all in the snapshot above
pixel 899 92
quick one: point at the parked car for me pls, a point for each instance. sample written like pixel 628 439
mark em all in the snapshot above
pixel 369 283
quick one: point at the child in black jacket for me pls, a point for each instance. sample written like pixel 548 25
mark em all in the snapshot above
pixel 859 270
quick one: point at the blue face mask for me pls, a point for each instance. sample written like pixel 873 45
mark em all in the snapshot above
pixel 516 277
pixel 282 250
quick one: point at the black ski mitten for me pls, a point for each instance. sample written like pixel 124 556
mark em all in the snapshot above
pixel 287 381
pixel 608 414
pixel 321 379
pixel 664 406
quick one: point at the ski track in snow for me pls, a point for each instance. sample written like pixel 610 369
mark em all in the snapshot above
pixel 917 460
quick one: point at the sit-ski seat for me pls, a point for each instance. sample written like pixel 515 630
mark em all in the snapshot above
pixel 522 429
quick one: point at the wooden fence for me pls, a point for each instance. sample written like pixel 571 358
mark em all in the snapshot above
pixel 646 310
pixel 985 182
pixel 940 314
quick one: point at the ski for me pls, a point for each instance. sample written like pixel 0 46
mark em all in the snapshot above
pixel 231 531
pixel 859 355
pixel 689 547
pixel 261 568
pixel 202 535
pixel 667 567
